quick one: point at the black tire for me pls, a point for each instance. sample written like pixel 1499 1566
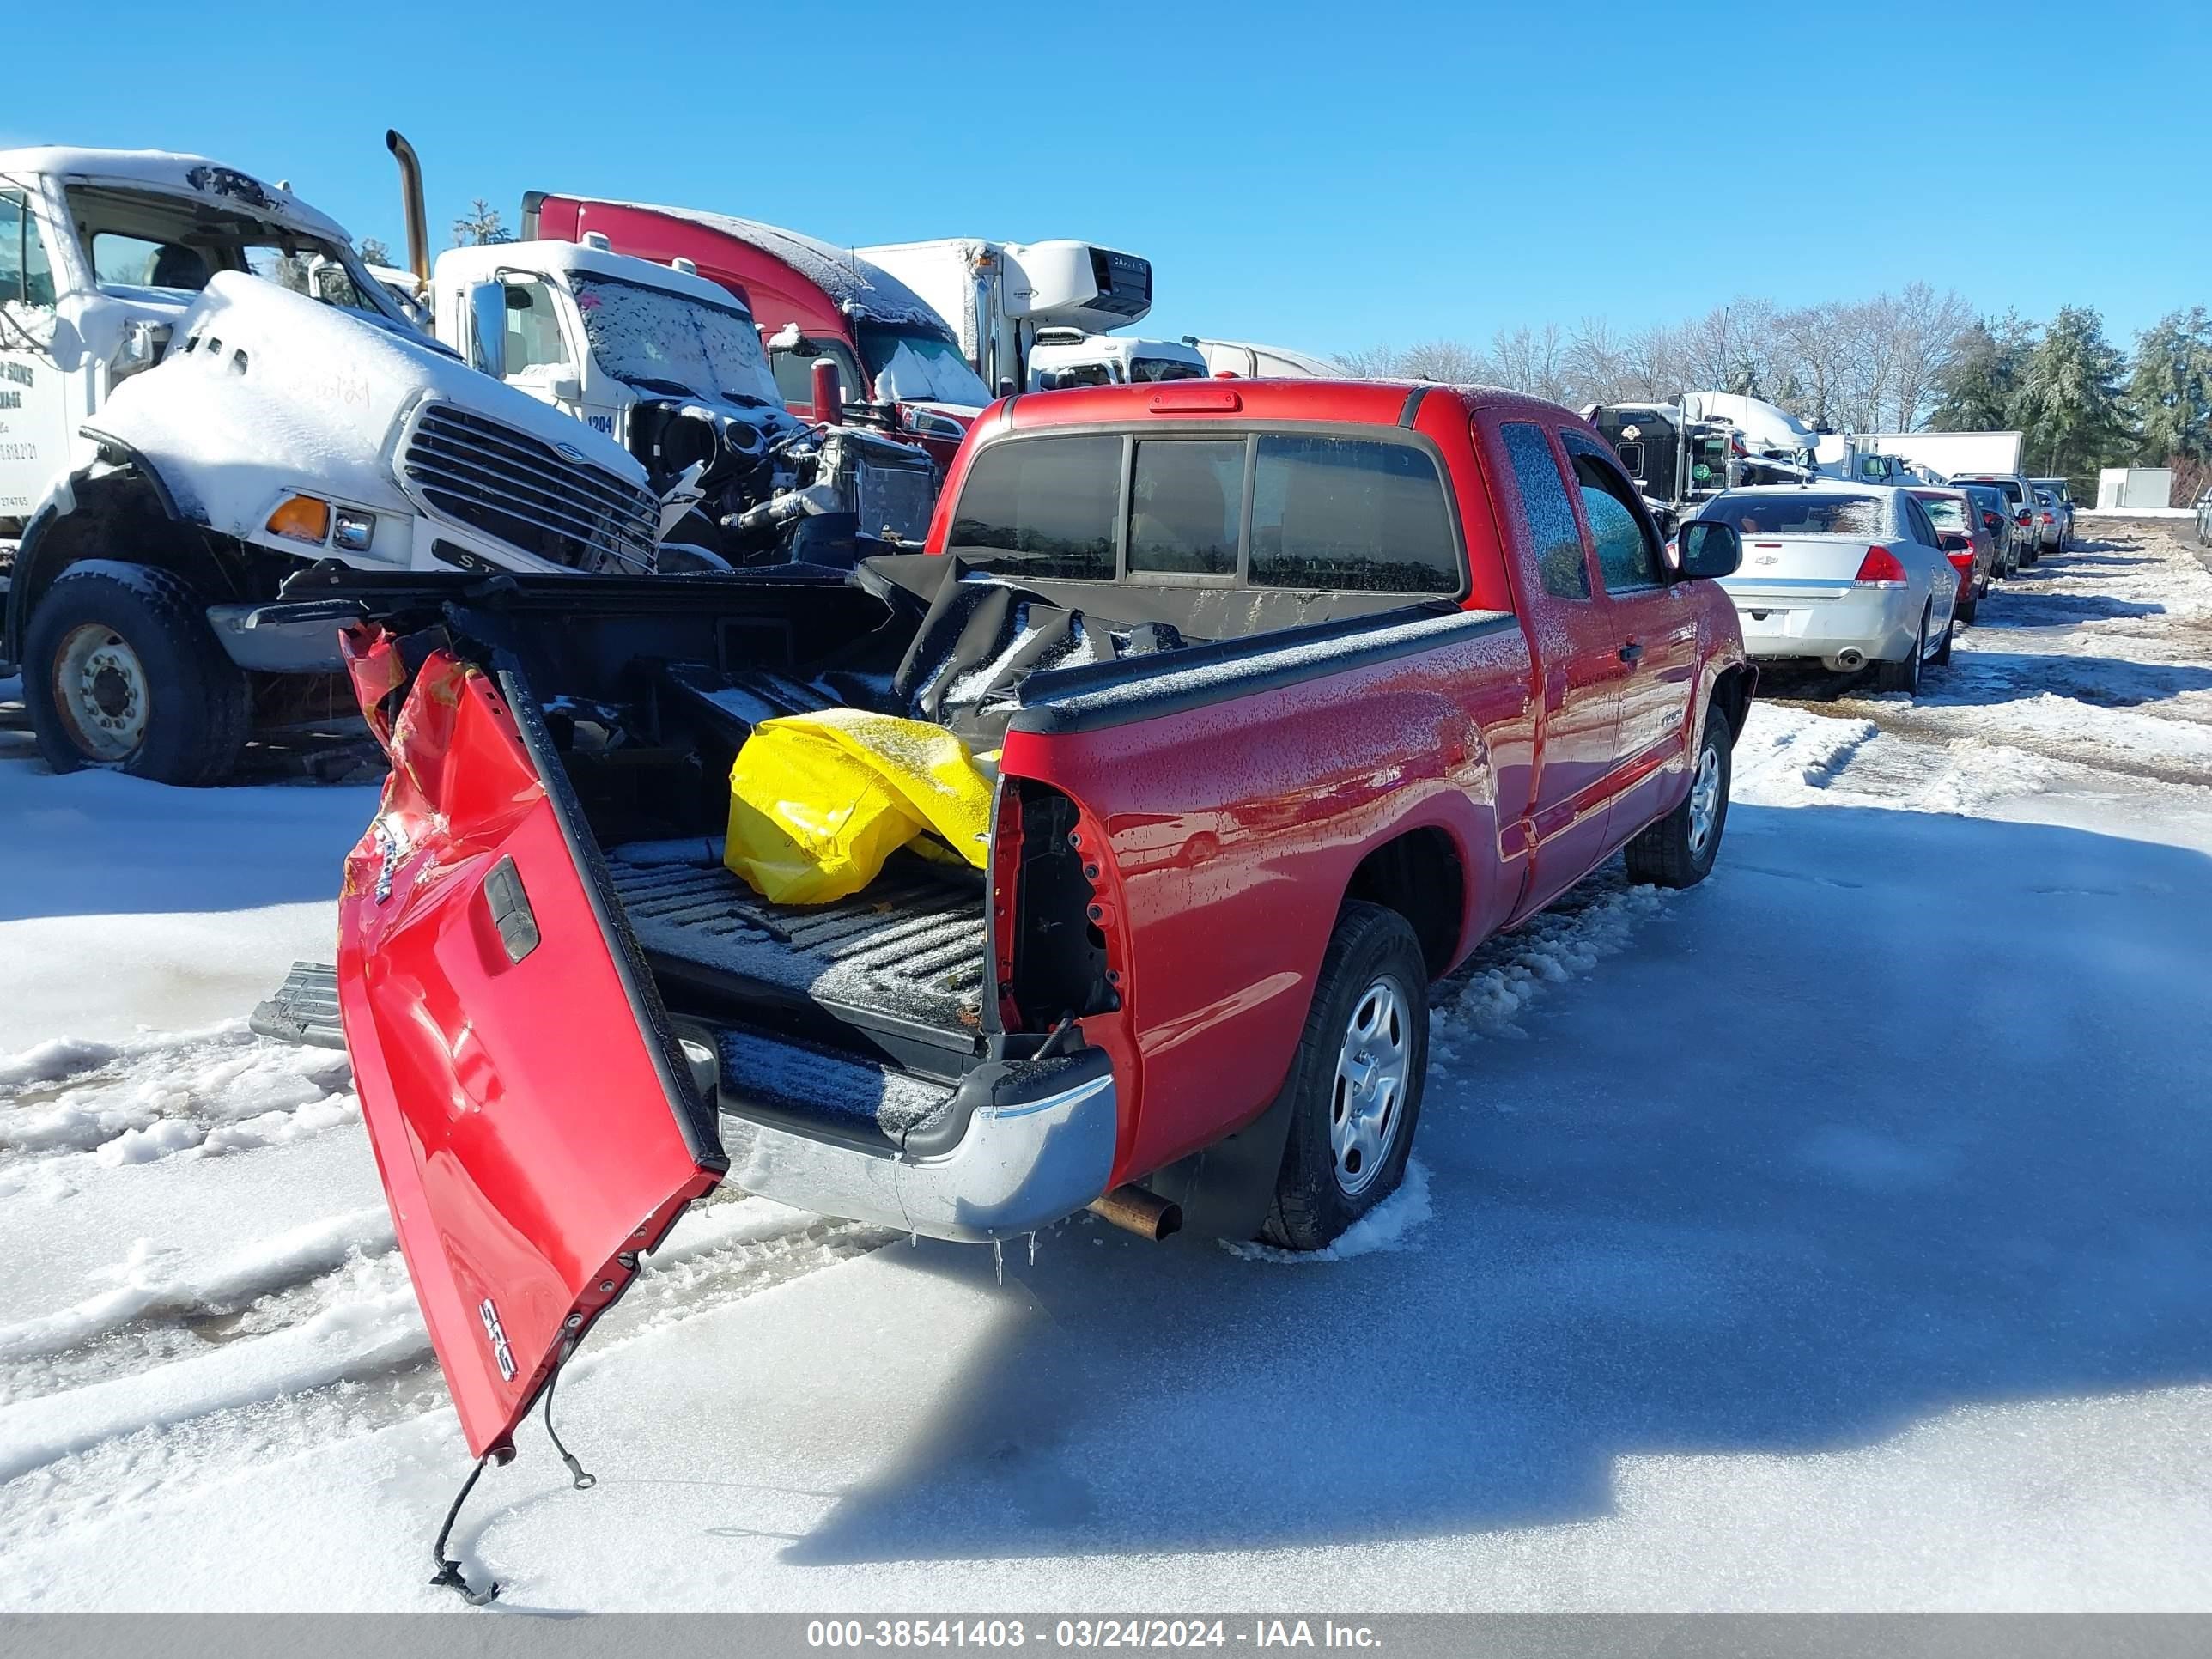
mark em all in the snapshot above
pixel 1669 853
pixel 1371 946
pixel 1968 611
pixel 197 703
pixel 1942 657
pixel 1903 676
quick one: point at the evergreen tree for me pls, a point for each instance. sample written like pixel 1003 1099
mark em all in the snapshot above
pixel 479 225
pixel 2069 398
pixel 373 251
pixel 2170 392
pixel 1977 387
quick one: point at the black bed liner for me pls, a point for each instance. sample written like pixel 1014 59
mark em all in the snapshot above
pixel 897 970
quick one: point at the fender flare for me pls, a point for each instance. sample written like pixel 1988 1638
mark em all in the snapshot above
pixel 37 568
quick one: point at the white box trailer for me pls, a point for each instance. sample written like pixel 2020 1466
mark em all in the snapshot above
pixel 1953 454
pixel 998 294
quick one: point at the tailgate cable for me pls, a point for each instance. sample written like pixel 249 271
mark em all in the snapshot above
pixel 449 1570
pixel 578 1478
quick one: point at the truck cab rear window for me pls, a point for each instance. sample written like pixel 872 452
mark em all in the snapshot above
pixel 1328 514
pixel 1350 513
pixel 1044 508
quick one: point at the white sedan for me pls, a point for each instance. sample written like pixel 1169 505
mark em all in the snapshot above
pixel 1842 574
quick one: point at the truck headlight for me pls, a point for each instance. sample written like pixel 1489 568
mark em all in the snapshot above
pixel 353 531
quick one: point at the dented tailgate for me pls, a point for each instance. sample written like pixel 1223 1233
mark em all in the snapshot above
pixel 515 1066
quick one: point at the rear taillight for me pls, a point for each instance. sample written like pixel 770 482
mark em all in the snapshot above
pixel 1992 521
pixel 2047 519
pixel 1959 560
pixel 1880 568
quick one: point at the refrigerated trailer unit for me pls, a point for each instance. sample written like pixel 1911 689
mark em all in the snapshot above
pixel 997 295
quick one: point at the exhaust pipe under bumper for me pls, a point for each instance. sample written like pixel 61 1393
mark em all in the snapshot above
pixel 1849 660
pixel 1145 1214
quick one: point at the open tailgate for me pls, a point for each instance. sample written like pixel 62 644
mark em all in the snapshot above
pixel 532 1123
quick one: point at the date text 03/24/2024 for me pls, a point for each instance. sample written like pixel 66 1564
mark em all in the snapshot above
pixel 1085 1634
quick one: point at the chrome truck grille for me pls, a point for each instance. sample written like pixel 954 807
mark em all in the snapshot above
pixel 521 490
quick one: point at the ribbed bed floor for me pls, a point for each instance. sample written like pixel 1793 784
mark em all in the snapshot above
pixel 911 945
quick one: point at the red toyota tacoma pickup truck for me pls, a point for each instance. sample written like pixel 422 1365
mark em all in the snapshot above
pixel 1292 691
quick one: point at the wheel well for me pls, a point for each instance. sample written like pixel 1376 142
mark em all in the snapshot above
pixel 1732 697
pixel 119 513
pixel 1419 876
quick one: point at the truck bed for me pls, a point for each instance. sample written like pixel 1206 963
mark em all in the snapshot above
pixel 896 969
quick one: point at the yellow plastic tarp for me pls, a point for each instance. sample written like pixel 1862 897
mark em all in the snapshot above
pixel 818 802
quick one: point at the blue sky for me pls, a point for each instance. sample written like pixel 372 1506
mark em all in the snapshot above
pixel 1322 176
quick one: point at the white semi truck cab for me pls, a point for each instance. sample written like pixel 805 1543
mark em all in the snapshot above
pixel 672 368
pixel 997 295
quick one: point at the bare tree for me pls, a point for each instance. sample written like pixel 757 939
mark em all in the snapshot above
pixel 1449 361
pixel 1375 362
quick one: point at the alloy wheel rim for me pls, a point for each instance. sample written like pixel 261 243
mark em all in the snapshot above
pixel 1705 798
pixel 101 693
pixel 1367 1101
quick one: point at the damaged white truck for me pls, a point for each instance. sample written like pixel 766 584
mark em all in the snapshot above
pixel 202 388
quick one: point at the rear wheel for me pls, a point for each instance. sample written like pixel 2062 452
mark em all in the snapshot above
pixel 1903 676
pixel 1356 1080
pixel 121 670
pixel 1679 850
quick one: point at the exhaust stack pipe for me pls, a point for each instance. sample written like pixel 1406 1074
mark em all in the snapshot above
pixel 1145 1214
pixel 1850 659
pixel 411 193
pixel 827 385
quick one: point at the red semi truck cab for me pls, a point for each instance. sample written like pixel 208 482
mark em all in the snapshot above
pixel 888 346
pixel 1289 695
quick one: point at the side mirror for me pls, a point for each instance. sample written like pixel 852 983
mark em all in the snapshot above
pixel 488 316
pixel 1710 549
pixel 566 389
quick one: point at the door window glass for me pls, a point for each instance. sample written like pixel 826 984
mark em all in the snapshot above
pixel 794 373
pixel 26 277
pixel 533 328
pixel 1042 508
pixel 1352 514
pixel 1187 506
pixel 1627 558
pixel 1549 520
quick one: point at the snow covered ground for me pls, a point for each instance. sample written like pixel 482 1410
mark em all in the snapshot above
pixel 1833 1236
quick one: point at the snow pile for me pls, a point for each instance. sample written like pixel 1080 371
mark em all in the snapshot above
pixel 1388 1226
pixel 1488 995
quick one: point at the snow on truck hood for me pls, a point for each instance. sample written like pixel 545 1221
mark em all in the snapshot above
pixel 282 391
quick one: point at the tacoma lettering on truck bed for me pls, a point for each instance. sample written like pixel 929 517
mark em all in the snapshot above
pixel 1288 693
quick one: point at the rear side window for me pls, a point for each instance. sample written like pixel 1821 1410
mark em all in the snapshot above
pixel 1350 513
pixel 1042 508
pixel 1187 506
pixel 1544 506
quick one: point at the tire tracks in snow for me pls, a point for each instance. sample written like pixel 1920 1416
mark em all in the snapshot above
pixel 166 1377
pixel 197 1094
